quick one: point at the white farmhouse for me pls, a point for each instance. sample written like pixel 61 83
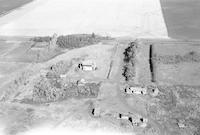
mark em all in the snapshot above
pixel 87 65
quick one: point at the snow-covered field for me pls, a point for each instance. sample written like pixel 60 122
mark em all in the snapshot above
pixel 135 18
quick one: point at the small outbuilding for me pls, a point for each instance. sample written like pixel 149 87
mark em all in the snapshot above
pixel 154 92
pixel 87 65
pixel 142 122
pixel 136 90
pixel 96 112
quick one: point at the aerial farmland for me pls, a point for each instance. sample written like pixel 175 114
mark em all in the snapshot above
pixel 96 67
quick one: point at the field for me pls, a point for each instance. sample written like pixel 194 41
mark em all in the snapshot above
pixel 175 62
pixel 9 5
pixel 182 18
pixel 179 74
pixel 178 63
pixel 131 18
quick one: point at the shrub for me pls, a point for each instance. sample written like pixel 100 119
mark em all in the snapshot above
pixel 78 40
pixel 129 60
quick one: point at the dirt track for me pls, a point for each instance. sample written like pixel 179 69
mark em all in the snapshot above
pixel 117 78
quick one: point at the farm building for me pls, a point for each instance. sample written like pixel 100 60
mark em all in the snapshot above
pixel 123 116
pixel 142 122
pixel 87 65
pixel 136 90
pixel 154 92
pixel 138 121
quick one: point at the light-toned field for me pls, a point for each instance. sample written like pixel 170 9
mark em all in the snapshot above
pixel 116 18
